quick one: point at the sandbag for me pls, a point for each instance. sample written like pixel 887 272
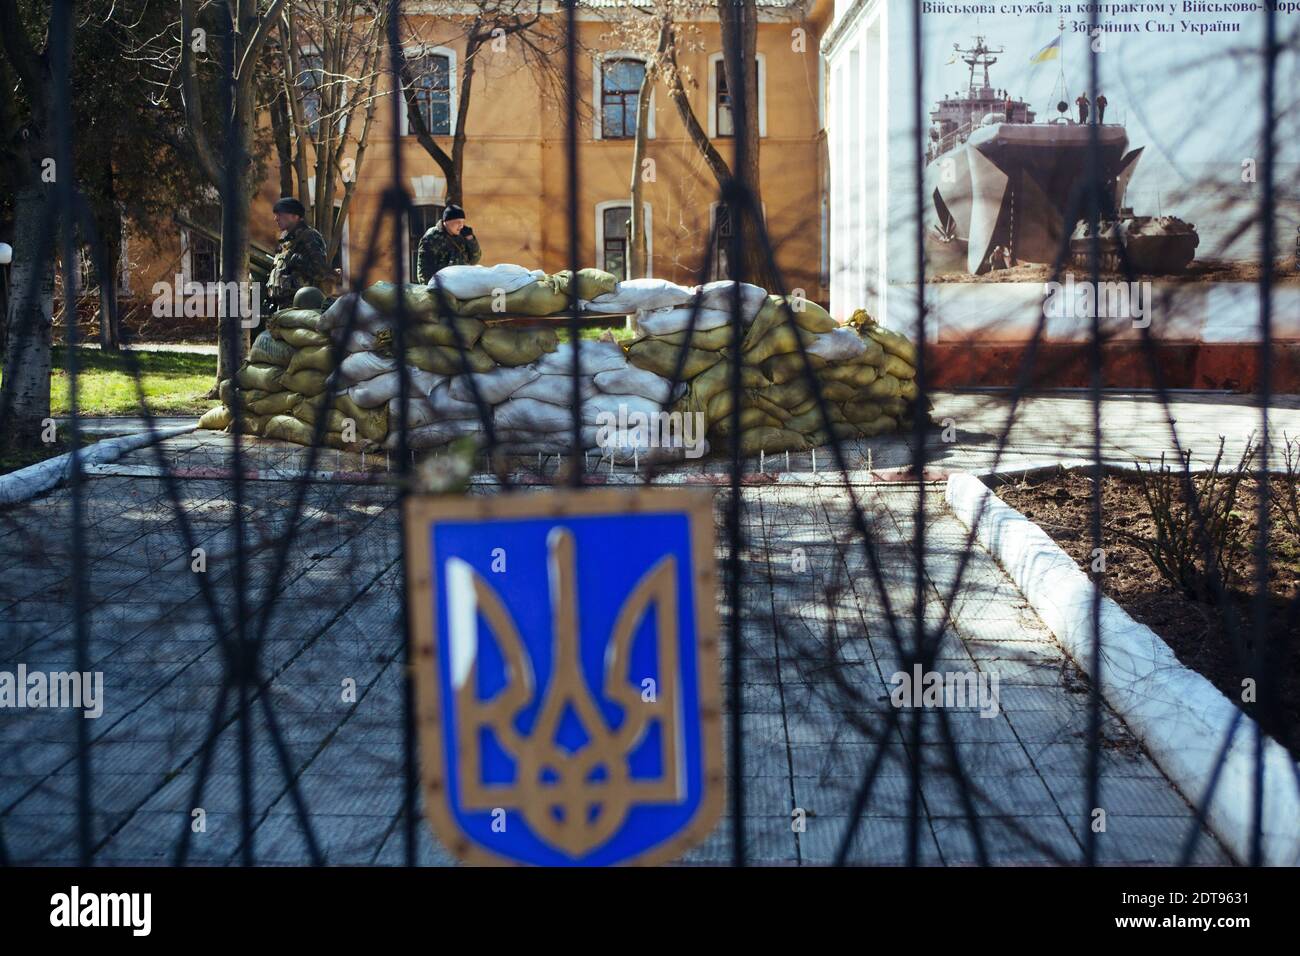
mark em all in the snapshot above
pixel 440 332
pixel 862 410
pixel 216 419
pixel 881 426
pixel 886 386
pixel 751 417
pixel 897 367
pixel 617 409
pixel 308 411
pixel 711 340
pixel 811 421
pixel 363 366
pixel 289 428
pixel 434 435
pixel 513 439
pixel 449 361
pixel 263 377
pixel 780 340
pixel 591 283
pixel 637 381
pixel 437 406
pixel 276 403
pixel 531 415
pixel 419 300
pixel 268 350
pixel 557 389
pixel 771 441
pixel 509 346
pixel 895 408
pixel 299 319
pixel 661 358
pixel 472 282
pixel 594 357
pixel 718 379
pixel 495 386
pixel 791 395
pixel 775 411
pixel 226 392
pixel 633 295
pixel 539 297
pixel 372 423
pixel 838 391
pixel 368 318
pixel 673 320
pixel 838 345
pixel 359 341
pixel 318 357
pixel 251 425
pixel 301 338
pixel 854 374
pixel 785 368
pixel 893 343
pixel 308 382
pixel 382 389
pixel 719 295
pixel 808 315
pixel 908 390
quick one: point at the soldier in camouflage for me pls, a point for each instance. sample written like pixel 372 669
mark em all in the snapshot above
pixel 450 243
pixel 299 258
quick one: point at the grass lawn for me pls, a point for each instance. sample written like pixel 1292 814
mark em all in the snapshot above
pixel 174 382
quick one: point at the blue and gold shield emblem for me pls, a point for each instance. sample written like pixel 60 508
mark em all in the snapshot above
pixel 566 670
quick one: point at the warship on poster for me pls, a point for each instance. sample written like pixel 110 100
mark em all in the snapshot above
pixel 1005 187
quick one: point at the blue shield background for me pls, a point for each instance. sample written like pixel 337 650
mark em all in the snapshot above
pixel 612 553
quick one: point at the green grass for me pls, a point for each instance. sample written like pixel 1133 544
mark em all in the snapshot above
pixel 174 382
pixel 621 332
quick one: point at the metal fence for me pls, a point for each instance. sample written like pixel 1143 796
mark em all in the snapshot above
pixel 220 719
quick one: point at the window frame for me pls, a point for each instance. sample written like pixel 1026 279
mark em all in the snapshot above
pixel 714 60
pixel 648 213
pixel 598 90
pixel 453 79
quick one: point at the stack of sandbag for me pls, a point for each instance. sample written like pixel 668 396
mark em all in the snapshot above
pixel 508 289
pixel 283 381
pixel 462 372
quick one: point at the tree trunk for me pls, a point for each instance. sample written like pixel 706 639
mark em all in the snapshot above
pixel 637 255
pixel 29 325
pixel 739 23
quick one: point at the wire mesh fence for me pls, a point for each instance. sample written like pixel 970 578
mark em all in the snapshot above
pixel 244 598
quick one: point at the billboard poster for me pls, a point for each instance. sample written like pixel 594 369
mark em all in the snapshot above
pixel 1177 128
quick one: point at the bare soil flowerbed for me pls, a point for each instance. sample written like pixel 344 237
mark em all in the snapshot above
pixel 1196 630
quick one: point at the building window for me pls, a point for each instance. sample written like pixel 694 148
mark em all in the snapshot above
pixel 432 86
pixel 310 80
pixel 722 122
pixel 620 89
pixel 419 221
pixel 615 251
pixel 205 258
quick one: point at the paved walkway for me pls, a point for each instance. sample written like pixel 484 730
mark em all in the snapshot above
pixel 818 654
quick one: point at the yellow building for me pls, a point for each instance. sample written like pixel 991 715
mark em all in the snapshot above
pixel 515 171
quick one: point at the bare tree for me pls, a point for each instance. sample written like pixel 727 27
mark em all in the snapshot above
pixel 330 57
pixel 659 31
pixel 254 21
pixel 491 25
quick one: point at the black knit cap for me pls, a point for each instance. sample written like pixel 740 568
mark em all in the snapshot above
pixel 289 204
pixel 453 212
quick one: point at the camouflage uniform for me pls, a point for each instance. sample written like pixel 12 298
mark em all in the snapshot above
pixel 439 249
pixel 299 261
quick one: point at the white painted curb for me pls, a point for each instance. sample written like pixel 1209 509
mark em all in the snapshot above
pixel 31 481
pixel 1179 715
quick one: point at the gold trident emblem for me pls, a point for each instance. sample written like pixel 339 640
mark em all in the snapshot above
pixel 574 798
